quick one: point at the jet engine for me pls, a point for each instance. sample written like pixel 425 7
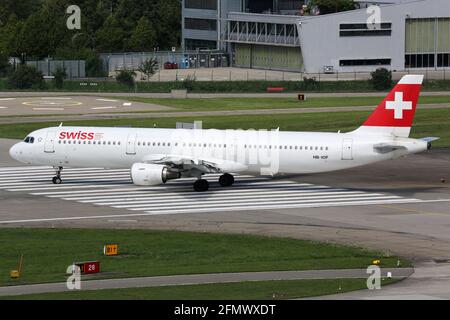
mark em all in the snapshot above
pixel 147 174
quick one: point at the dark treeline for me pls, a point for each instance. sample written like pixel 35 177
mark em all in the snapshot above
pixel 37 28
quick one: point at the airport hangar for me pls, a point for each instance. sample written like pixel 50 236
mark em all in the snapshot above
pixel 413 35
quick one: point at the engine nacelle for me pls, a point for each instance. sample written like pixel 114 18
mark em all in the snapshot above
pixel 147 174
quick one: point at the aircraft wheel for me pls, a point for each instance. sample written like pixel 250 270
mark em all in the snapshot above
pixel 201 185
pixel 226 180
pixel 56 180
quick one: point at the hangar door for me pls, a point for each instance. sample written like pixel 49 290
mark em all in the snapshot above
pixel 268 57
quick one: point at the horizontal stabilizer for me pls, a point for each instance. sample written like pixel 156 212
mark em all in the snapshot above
pixel 430 139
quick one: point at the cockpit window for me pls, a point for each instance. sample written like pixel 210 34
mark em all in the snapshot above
pixel 29 140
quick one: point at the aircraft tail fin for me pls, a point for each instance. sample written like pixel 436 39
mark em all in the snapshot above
pixel 395 114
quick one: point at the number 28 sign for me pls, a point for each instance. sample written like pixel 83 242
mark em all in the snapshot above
pixel 89 267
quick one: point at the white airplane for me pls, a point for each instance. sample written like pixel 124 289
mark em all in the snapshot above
pixel 156 156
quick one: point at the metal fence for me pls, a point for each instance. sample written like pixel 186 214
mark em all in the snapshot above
pixel 74 68
pixel 185 60
pixel 241 74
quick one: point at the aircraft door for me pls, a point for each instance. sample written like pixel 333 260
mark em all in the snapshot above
pixel 347 149
pixel 131 144
pixel 49 146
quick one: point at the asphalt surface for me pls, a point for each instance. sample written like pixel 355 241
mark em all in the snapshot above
pixel 418 231
pixel 396 273
pixel 68 105
pixel 82 108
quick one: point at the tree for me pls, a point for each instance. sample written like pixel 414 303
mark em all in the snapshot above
pixel 149 67
pixel 126 77
pixel 26 77
pixel 143 37
pixel 60 74
pixel 381 79
pixel 332 6
pixel 110 36
pixel 5 67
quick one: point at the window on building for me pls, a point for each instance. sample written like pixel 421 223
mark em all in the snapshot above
pixel 419 60
pixel 362 30
pixel 364 62
pixel 194 44
pixel 201 4
pixel 200 24
pixel 443 60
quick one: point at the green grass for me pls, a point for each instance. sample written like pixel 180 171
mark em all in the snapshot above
pixel 263 290
pixel 48 253
pixel 431 122
pixel 273 103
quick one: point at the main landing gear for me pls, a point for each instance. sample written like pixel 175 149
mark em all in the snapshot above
pixel 226 180
pixel 202 185
pixel 57 179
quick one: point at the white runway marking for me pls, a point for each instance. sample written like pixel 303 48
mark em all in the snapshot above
pixel 7 99
pixel 103 108
pixel 3 107
pixel 48 109
pixel 114 189
pixel 107 100
pixel 55 98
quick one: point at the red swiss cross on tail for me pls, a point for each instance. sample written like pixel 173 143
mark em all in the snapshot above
pixel 395 115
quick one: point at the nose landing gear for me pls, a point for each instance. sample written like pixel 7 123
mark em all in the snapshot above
pixel 57 179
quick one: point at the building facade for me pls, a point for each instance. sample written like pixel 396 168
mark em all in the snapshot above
pixel 274 34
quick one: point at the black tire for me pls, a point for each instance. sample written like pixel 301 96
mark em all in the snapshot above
pixel 201 185
pixel 56 180
pixel 226 180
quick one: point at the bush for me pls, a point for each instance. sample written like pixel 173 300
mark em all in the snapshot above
pixel 381 79
pixel 126 77
pixel 60 74
pixel 189 83
pixel 26 77
pixel 310 84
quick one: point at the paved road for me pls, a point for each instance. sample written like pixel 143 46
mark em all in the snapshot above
pixel 197 114
pixel 430 281
pixel 202 279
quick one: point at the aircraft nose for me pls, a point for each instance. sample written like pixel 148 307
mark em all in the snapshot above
pixel 14 152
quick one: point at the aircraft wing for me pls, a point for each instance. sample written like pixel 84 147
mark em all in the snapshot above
pixel 191 163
